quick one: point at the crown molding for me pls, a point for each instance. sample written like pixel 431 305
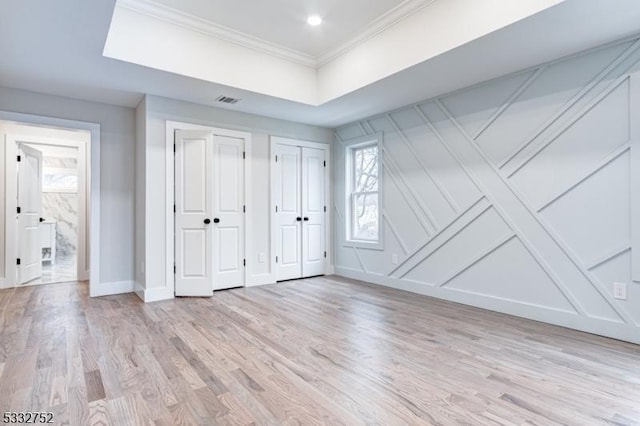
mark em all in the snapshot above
pixel 379 25
pixel 177 17
pixel 186 20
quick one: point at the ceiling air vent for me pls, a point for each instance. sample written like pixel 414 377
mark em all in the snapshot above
pixel 227 100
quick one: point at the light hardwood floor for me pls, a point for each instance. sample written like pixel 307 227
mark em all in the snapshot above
pixel 318 351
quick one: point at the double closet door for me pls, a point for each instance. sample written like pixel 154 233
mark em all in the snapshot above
pixel 209 211
pixel 300 211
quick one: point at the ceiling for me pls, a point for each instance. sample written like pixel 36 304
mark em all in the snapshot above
pixel 283 22
pixel 56 48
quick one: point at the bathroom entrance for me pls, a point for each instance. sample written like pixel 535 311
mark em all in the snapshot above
pixel 47 178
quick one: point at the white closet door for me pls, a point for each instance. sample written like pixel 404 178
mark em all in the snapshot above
pixel 194 208
pixel 313 210
pixel 30 203
pixel 228 223
pixel 289 216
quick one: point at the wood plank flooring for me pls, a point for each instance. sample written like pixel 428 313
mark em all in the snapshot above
pixel 319 351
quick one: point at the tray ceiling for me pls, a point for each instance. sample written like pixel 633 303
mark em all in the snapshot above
pixel 283 22
pixel 70 60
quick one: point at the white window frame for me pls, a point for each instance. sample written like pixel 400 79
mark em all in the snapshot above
pixel 350 147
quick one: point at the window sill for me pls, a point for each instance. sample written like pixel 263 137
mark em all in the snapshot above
pixel 364 245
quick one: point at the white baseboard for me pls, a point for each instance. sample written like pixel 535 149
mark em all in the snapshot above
pixel 261 279
pixel 111 288
pixel 158 293
pixel 84 276
pixel 616 330
pixel 139 290
pixel 154 294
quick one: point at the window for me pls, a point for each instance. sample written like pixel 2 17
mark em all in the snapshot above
pixel 59 179
pixel 364 193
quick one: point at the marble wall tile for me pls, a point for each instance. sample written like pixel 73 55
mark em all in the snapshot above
pixel 62 207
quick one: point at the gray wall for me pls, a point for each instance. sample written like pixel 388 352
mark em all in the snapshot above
pixel 151 177
pixel 117 134
pixel 140 179
pixel 514 195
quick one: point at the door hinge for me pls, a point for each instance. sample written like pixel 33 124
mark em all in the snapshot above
pixel 174 268
pixel 325 254
pixel 276 259
pixel 17 261
pixel 276 209
pixel 18 210
pixel 325 209
pixel 174 208
pixel 276 158
pixel 244 155
pixel 324 163
pixel 244 262
pixel 244 209
pixel 19 158
pixel 174 148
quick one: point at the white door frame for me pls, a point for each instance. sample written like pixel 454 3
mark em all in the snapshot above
pixel 89 189
pixel 171 127
pixel 83 195
pixel 278 140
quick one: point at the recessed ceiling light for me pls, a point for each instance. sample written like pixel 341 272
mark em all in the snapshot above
pixel 314 20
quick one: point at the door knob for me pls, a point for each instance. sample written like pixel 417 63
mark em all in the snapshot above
pixel 299 219
pixel 207 221
pixel 41 219
pixel 216 220
pixel 306 219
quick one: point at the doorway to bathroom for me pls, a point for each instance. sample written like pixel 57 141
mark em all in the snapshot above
pixel 47 179
pixel 57 189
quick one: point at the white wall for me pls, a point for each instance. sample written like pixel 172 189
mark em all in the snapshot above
pixel 158 112
pixel 514 195
pixel 175 47
pixel 438 28
pixel 116 155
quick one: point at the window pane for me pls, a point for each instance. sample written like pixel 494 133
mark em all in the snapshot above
pixel 59 180
pixel 365 217
pixel 365 163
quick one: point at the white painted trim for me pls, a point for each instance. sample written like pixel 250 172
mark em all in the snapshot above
pixel 273 272
pixel 379 25
pixel 195 23
pixel 186 20
pixel 297 142
pixel 93 179
pixel 156 294
pixel 84 174
pixel 617 330
pixel 249 211
pixel 279 140
pixel 260 280
pixel 171 126
pixel 139 290
pixel 111 288
pixel 10 196
pixel 152 294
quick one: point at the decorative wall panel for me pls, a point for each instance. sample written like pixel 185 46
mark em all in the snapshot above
pixel 514 195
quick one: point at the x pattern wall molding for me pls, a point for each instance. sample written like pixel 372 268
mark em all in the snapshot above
pixel 514 195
